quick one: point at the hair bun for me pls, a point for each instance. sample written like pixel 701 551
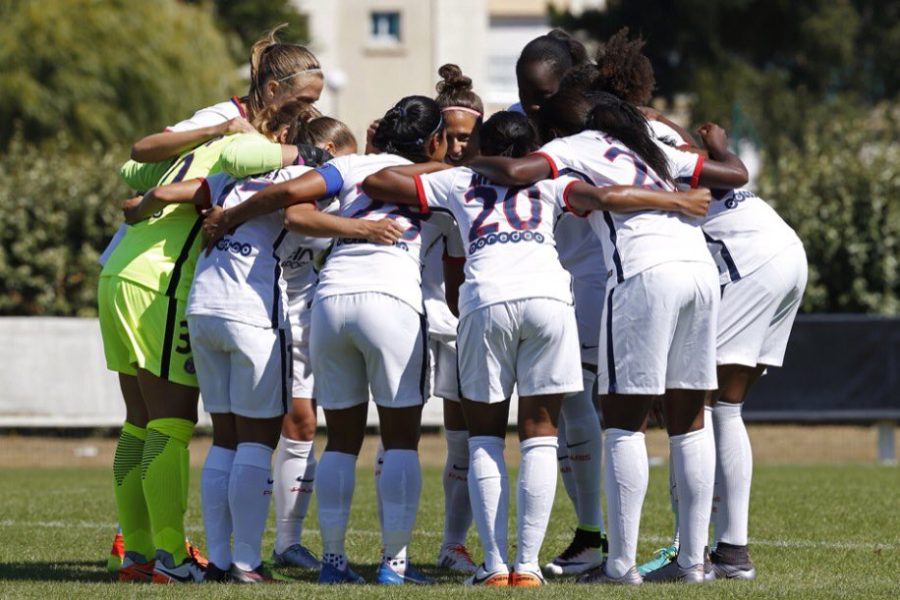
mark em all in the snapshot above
pixel 453 80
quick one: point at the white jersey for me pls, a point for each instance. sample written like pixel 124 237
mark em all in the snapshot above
pixel 211 115
pixel 357 265
pixel 241 278
pixel 632 242
pixel 511 252
pixel 442 323
pixel 667 135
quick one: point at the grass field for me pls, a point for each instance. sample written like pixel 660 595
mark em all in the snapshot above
pixel 818 531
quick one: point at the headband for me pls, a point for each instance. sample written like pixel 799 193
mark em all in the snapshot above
pixel 303 72
pixel 463 109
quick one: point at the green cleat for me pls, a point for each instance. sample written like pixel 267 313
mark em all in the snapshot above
pixel 661 558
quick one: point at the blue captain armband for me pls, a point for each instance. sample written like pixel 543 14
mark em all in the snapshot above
pixel 333 180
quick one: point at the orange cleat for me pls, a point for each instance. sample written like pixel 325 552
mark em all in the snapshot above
pixel 116 554
pixel 194 552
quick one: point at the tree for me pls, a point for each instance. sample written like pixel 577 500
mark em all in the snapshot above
pixel 107 70
pixel 247 20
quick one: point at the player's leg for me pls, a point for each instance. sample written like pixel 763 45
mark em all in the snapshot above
pixel 343 392
pixel 453 553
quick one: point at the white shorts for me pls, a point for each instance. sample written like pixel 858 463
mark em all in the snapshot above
pixel 444 373
pixel 757 312
pixel 303 384
pixel 368 341
pixel 532 343
pixel 242 369
pixel 589 297
pixel 658 331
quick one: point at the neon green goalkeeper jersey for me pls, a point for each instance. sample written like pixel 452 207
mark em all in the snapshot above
pixel 160 253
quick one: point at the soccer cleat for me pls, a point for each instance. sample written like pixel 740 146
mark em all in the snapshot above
pixel 116 554
pixel 497 578
pixel 385 575
pixel 661 558
pixel 260 574
pixel 216 575
pixel 331 574
pixel 165 570
pixel 135 568
pixel 732 562
pixel 296 556
pixel 456 558
pixel 584 553
pixel 194 552
pixel 673 572
pixel 524 576
pixel 599 575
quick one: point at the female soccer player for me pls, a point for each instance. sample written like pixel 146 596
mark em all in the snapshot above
pixel 463 111
pixel 279 72
pixel 368 333
pixel 517 326
pixel 541 66
pixel 663 281
pixel 142 290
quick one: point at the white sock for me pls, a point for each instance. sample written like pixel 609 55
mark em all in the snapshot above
pixel 695 472
pixel 734 472
pixel 379 464
pixel 535 490
pixel 214 502
pixel 295 474
pixel 400 486
pixel 673 502
pixel 565 467
pixel 249 493
pixel 489 493
pixel 334 490
pixel 457 508
pixel 585 449
pixel 626 476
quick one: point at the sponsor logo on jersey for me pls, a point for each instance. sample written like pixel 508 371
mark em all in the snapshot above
pixel 298 259
pixel 189 367
pixel 235 247
pixel 505 238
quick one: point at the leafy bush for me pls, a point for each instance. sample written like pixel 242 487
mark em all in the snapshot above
pixel 58 209
pixel 840 189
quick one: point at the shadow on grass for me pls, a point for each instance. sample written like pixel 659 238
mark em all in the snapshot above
pixel 77 570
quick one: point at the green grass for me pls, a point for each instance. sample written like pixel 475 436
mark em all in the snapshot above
pixel 817 532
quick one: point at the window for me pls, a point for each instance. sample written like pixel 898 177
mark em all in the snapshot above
pixel 384 28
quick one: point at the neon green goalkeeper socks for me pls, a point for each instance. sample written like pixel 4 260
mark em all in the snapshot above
pixel 130 503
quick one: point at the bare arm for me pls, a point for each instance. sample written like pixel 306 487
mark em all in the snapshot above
pixel 396 184
pixel 160 146
pixel 584 197
pixel 304 218
pixel 156 199
pixel 309 187
pixel 723 169
pixel 513 171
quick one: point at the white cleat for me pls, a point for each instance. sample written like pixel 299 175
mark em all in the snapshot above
pixel 456 558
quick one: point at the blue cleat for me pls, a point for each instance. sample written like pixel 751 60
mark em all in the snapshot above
pixel 661 558
pixel 387 576
pixel 331 574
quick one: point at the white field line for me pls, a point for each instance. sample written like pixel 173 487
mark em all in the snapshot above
pixel 814 544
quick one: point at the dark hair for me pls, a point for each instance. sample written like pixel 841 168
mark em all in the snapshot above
pixel 622 120
pixel 406 128
pixel 583 79
pixel 565 113
pixel 455 89
pixel 271 59
pixel 557 48
pixel 624 70
pixel 508 134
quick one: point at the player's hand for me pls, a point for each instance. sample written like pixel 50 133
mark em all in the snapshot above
pixel 237 125
pixel 694 203
pixel 371 148
pixel 129 209
pixel 215 225
pixel 714 137
pixel 384 231
pixel 651 114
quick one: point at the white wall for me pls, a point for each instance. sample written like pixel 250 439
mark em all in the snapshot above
pixel 53 374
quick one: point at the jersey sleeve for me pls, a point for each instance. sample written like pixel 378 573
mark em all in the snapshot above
pixel 211 115
pixel 685 167
pixel 250 154
pixel 214 185
pixel 336 172
pixel 553 152
pixel 668 135
pixel 143 176
pixel 559 195
pixel 435 189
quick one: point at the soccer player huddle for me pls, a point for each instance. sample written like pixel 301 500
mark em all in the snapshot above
pixel 578 248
